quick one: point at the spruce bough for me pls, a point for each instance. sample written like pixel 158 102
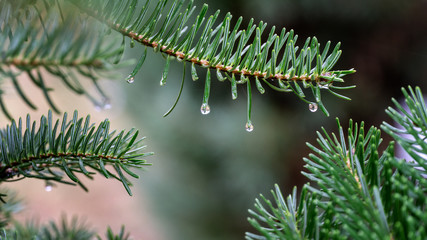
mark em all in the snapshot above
pixel 360 193
pixel 357 191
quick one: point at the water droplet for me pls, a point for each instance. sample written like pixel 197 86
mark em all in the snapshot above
pixel 48 187
pixel 107 104
pixel 323 85
pixel 162 82
pixel 205 109
pixel 98 107
pixel 249 127
pixel 130 79
pixel 313 107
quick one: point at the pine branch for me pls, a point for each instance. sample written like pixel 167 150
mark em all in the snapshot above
pixel 40 42
pixel 224 49
pixel 72 147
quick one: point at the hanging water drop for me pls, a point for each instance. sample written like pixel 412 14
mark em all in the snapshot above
pixel 323 85
pixel 98 107
pixel 130 79
pixel 205 109
pixel 106 103
pixel 132 43
pixel 249 127
pixel 313 107
pixel 48 187
pixel 162 81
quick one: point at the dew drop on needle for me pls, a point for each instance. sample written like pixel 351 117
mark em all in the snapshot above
pixel 205 109
pixel 130 79
pixel 313 107
pixel 249 127
pixel 48 187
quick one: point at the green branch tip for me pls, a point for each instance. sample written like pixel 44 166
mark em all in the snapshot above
pixel 73 147
pixel 225 47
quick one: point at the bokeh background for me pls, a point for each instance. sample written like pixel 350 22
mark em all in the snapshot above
pixel 207 169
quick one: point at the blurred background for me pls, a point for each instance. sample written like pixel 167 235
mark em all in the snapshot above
pixel 207 170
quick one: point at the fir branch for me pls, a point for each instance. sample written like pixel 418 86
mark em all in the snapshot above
pixel 285 218
pixel 348 170
pixel 224 48
pixel 363 195
pixel 110 235
pixel 76 229
pixel 412 133
pixel 68 49
pixel 347 201
pixel 72 147
pixel 406 190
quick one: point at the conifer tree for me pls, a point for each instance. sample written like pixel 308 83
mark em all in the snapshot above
pixel 356 191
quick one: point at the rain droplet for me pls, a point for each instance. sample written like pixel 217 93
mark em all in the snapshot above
pixel 130 79
pixel 106 103
pixel 162 82
pixel 205 109
pixel 249 127
pixel 323 85
pixel 313 107
pixel 48 187
pixel 98 107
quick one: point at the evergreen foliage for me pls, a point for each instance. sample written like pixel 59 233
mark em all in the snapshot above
pixel 359 193
pixel 71 147
pixel 38 41
pixel 277 62
pixel 358 190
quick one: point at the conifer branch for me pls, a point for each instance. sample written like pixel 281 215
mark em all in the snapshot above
pixel 278 62
pixel 358 193
pixel 75 229
pixel 72 147
pixel 36 43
